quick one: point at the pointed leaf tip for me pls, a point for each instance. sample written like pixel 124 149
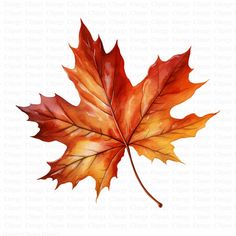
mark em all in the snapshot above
pixel 19 107
pixel 115 48
pixel 83 28
pixel 82 25
pixel 188 52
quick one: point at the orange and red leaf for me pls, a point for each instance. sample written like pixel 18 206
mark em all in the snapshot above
pixel 113 115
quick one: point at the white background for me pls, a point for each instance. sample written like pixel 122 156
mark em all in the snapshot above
pixel 199 197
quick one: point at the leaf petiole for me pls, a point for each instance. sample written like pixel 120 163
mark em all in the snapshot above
pixel 139 180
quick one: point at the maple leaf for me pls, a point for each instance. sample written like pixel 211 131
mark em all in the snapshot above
pixel 113 115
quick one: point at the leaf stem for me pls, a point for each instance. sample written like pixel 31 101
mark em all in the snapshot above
pixel 139 180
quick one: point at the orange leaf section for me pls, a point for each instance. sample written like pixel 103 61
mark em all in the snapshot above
pixel 94 143
pixel 89 151
pixel 166 85
pixel 157 144
pixel 96 156
pixel 113 114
